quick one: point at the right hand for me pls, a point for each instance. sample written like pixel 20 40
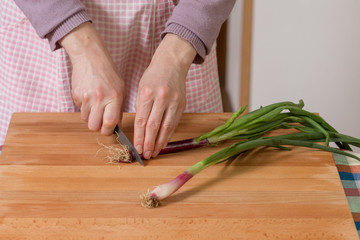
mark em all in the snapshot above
pixel 161 97
pixel 97 89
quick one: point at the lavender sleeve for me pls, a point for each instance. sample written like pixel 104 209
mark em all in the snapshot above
pixel 199 22
pixel 53 19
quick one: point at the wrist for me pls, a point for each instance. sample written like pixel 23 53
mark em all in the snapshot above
pixel 80 40
pixel 176 51
pixel 65 27
pixel 191 37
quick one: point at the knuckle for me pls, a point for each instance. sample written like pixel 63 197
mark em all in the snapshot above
pixel 74 92
pixel 176 97
pixel 98 94
pixel 76 100
pixel 168 127
pixel 153 125
pixel 180 105
pixel 146 92
pixel 116 93
pixel 84 117
pixel 174 106
pixel 93 126
pixel 163 92
pixel 85 96
pixel 75 95
pixel 109 122
pixel 181 99
pixel 149 145
pixel 140 122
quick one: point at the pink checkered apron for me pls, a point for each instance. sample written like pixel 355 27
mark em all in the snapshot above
pixel 34 79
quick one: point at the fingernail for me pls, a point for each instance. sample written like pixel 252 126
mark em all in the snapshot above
pixel 139 149
pixel 147 154
pixel 155 153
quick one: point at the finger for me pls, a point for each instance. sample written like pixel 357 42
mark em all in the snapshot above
pixel 85 107
pixel 152 127
pixel 170 121
pixel 95 117
pixel 85 112
pixel 120 118
pixel 76 99
pixel 111 118
pixel 144 103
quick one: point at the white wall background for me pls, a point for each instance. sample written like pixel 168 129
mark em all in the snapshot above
pixel 310 50
pixel 233 55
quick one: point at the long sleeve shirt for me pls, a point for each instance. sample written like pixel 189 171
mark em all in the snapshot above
pixel 197 21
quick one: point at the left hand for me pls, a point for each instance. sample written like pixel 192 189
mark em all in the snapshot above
pixel 97 88
pixel 161 97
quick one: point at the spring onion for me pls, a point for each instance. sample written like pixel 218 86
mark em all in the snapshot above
pixel 248 132
pixel 252 125
pixel 310 139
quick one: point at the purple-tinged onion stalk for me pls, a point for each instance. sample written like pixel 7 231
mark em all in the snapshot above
pixel 154 198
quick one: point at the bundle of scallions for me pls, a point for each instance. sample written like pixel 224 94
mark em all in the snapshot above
pixel 249 129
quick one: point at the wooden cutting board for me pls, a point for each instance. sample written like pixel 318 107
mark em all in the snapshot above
pixel 55 183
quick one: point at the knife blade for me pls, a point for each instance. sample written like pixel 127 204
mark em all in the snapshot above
pixel 121 137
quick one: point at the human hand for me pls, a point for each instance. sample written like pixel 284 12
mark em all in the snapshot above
pixel 161 95
pixel 97 89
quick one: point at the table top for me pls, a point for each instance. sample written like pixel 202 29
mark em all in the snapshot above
pixel 55 183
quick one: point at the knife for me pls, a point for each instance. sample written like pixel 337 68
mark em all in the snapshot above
pixel 121 137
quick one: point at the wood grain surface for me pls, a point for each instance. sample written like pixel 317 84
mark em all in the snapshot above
pixel 55 183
